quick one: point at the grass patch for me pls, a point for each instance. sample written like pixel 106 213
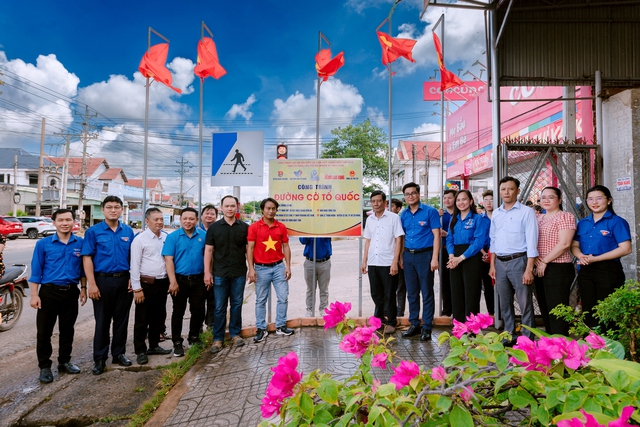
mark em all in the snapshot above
pixel 171 374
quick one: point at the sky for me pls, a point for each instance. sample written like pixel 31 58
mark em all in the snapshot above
pixel 56 58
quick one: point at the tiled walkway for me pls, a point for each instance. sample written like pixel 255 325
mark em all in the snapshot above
pixel 228 391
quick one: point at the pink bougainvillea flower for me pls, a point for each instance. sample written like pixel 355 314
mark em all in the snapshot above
pixel 374 323
pixel 439 374
pixel 477 322
pixel 404 373
pixel 467 394
pixel 595 341
pixel 335 314
pixel 589 421
pixel 375 386
pixel 358 341
pixel 285 377
pixel 459 329
pixel 576 355
pixel 627 411
pixel 379 361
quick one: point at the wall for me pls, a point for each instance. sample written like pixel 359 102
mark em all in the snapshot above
pixel 621 159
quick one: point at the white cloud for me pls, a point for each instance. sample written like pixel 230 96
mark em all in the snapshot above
pixel 241 109
pixel 427 131
pixel 377 117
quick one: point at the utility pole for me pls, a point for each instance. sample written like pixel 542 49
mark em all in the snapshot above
pixel 83 173
pixel 65 168
pixel 182 171
pixel 15 185
pixel 40 167
pixel 413 162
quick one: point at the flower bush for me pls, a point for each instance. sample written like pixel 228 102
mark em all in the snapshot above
pixel 550 381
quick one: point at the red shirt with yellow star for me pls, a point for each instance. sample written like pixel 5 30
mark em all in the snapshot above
pixel 268 241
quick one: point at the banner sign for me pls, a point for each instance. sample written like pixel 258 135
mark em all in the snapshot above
pixel 464 92
pixel 320 197
pixel 237 159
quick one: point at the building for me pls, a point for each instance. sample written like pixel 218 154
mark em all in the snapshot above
pixel 410 160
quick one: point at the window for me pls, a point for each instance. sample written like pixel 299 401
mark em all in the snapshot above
pixel 2 178
pixel 33 179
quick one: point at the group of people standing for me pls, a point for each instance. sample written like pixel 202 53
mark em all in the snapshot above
pixel 194 264
pixel 513 248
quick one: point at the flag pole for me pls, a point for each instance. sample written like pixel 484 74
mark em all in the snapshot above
pixel 146 128
pixel 203 27
pixel 442 118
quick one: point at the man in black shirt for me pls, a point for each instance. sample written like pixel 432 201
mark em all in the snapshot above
pixel 225 267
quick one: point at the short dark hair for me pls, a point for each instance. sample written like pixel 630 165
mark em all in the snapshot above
pixel 149 211
pixel 411 185
pixel 269 199
pixel 487 193
pixel 226 197
pixel 516 181
pixel 108 199
pixel 208 207
pixel 450 191
pixel 63 211
pixel 378 193
pixel 397 203
pixel 189 210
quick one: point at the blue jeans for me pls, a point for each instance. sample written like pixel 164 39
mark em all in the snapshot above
pixel 229 289
pixel 418 278
pixel 267 276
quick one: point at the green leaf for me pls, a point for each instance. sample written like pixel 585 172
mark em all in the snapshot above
pixel 443 404
pixel 575 400
pixel 553 398
pixel 477 354
pixel 501 381
pixel 592 406
pixel 520 398
pixel 543 415
pixel 615 347
pixel 322 417
pixel 502 361
pixel 306 405
pixel 618 379
pixel 603 400
pixel 519 354
pixel 460 417
pixel 374 413
pixel 632 369
pixel 386 389
pixel 328 391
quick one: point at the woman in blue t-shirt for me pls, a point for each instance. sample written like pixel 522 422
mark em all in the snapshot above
pixel 465 240
pixel 600 240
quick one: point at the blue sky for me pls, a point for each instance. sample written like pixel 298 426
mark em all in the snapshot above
pixel 59 56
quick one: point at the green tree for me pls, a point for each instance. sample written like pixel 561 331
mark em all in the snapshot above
pixel 364 141
pixel 251 207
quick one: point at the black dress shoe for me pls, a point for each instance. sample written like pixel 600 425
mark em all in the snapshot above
pixel 425 335
pixel 122 360
pixel 509 343
pixel 158 350
pixel 142 359
pixel 98 368
pixel 411 332
pixel 45 375
pixel 69 368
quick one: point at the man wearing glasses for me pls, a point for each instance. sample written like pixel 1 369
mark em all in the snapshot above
pixel 105 256
pixel 421 224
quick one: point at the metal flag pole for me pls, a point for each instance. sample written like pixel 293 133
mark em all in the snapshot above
pixel 146 128
pixel 203 27
pixel 442 118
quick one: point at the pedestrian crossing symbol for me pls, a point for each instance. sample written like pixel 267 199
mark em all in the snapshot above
pixel 237 159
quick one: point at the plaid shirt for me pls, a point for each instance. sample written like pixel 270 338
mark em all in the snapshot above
pixel 548 229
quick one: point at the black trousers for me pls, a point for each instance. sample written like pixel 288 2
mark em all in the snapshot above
pixel 150 315
pixel 401 292
pixel 211 308
pixel 113 306
pixel 597 281
pixel 383 292
pixel 193 292
pixel 552 289
pixel 466 285
pixel 57 305
pixel 487 287
pixel 445 281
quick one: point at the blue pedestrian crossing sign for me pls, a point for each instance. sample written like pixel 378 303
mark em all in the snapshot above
pixel 237 159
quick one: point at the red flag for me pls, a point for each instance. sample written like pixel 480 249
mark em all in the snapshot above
pixel 152 65
pixel 208 64
pixel 327 66
pixel 447 78
pixel 393 48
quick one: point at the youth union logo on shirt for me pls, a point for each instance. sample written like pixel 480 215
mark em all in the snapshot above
pixel 422 223
pixel 125 239
pixel 605 232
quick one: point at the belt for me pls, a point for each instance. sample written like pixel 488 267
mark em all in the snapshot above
pixel 190 277
pixel 117 274
pixel 319 260
pixel 417 251
pixel 59 287
pixel 272 264
pixel 510 257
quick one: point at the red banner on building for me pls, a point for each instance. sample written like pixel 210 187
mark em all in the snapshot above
pixel 464 92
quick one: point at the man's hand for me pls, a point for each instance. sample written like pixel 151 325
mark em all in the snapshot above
pixel 138 296
pixel 527 277
pixel 492 272
pixel 287 273
pixel 252 275
pixel 173 288
pixel 364 268
pixel 394 269
pixel 208 279
pixel 35 301
pixel 434 263
pixel 94 292
pixel 83 296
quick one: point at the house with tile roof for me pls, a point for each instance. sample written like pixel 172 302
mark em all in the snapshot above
pixel 410 160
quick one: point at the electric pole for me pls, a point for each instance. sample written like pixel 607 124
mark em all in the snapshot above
pixel 40 167
pixel 83 172
pixel 183 163
pixel 65 170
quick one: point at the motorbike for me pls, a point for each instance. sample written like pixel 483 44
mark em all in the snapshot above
pixel 12 295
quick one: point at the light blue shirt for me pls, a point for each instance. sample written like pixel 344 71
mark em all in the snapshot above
pixel 514 231
pixel 187 252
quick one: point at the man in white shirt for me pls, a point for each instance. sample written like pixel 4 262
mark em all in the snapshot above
pixel 383 241
pixel 150 286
